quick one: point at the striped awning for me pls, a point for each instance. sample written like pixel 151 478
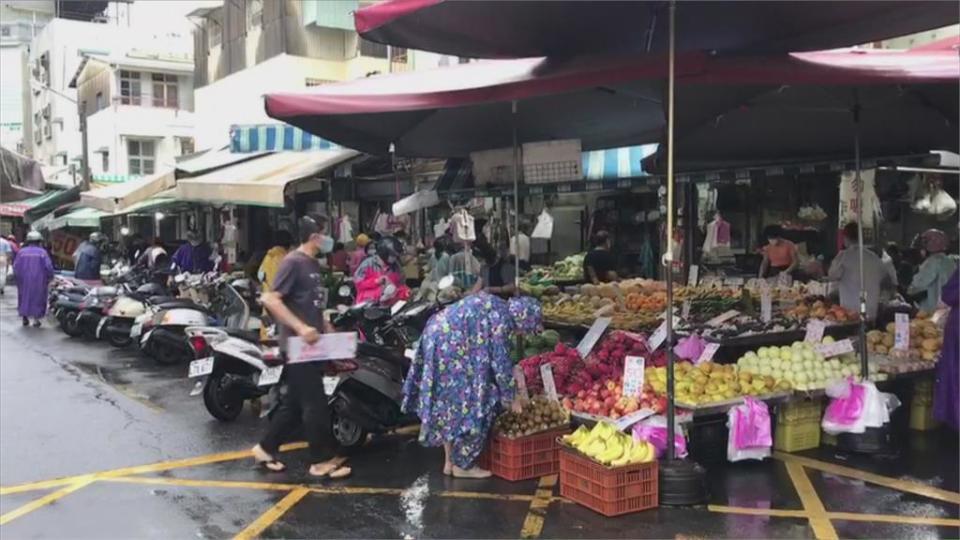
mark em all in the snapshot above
pixel 616 163
pixel 17 209
pixel 275 138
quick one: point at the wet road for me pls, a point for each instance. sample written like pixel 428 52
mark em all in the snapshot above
pixel 100 443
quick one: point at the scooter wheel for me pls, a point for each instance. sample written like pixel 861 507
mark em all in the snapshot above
pixel 166 355
pixel 349 434
pixel 71 326
pixel 217 399
pixel 119 341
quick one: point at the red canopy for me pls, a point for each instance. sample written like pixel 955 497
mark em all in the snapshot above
pixel 516 29
pixel 605 102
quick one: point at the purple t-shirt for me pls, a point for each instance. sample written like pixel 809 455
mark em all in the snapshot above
pixel 300 283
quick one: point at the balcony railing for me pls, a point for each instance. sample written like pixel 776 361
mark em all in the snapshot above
pixel 147 100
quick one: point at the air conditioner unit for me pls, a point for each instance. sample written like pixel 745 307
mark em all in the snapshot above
pixel 47 132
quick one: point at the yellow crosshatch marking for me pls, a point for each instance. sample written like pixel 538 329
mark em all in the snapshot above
pixel 813 510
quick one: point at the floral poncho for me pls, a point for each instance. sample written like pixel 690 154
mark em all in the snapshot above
pixel 463 370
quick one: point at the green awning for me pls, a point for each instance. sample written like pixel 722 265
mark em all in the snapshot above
pixel 81 217
pixel 17 209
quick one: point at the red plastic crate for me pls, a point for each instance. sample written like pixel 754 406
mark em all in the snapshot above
pixel 611 492
pixel 524 458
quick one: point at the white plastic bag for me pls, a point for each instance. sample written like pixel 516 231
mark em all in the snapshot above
pixel 942 204
pixel 544 227
pixel 750 431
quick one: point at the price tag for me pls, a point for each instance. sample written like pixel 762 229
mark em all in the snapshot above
pixel 521 381
pixel 633 375
pixel 685 311
pixel 733 282
pixel 836 348
pixel 271 375
pixel 693 275
pixel 549 386
pixel 784 280
pixel 723 317
pixel 814 288
pixel 815 329
pixel 657 337
pixel 901 338
pixel 766 305
pixel 628 420
pixel 708 352
pixel 201 367
pixel 593 335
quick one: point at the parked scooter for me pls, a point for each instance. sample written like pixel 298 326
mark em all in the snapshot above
pixel 120 317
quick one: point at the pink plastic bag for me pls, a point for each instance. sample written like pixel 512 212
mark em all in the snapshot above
pixel 845 411
pixel 654 431
pixel 750 432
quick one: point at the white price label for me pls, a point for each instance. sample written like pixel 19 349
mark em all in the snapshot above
pixel 330 385
pixel 901 338
pixel 633 375
pixel 521 382
pixel 597 329
pixel 270 375
pixel 693 275
pixel 784 280
pixel 733 282
pixel 201 367
pixel 335 346
pixel 766 305
pixel 708 352
pixel 657 337
pixel 723 317
pixel 685 310
pixel 836 348
pixel 628 420
pixel 815 328
pixel 549 386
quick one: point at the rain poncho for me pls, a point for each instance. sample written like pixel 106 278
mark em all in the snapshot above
pixel 946 394
pixel 270 265
pixel 33 271
pixel 193 258
pixel 87 258
pixel 462 371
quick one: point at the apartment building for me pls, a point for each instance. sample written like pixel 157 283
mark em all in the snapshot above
pixel 246 48
pixel 138 107
pixel 20 22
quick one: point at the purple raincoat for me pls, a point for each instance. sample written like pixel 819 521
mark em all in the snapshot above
pixel 946 397
pixel 193 259
pixel 33 270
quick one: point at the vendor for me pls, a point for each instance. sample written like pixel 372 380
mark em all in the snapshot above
pixel 845 270
pixel 498 274
pixel 599 264
pixel 933 272
pixel 779 255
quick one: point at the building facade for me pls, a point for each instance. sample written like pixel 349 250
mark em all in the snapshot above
pixel 20 22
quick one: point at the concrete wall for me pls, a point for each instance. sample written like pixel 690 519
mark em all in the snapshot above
pixel 111 127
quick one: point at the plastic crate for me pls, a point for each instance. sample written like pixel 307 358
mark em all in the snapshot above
pixel 922 392
pixel 610 492
pixel 799 411
pixel 797 436
pixel 524 458
pixel 707 439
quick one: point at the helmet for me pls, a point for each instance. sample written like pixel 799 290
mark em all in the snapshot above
pixel 96 237
pixel 362 240
pixel 933 240
pixel 34 236
pixel 387 248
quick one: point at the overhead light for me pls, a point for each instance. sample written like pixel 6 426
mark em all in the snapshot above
pixel 124 231
pixel 158 216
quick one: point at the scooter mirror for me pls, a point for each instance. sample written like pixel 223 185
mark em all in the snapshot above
pixel 445 282
pixel 343 290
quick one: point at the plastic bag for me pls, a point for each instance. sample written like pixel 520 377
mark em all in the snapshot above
pixel 544 226
pixel 654 431
pixel 942 204
pixel 844 414
pixel 750 434
pixel 690 348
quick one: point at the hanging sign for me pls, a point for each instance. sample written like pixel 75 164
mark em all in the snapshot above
pixel 633 375
pixel 593 335
pixel 521 381
pixel 815 328
pixel 693 275
pixel 549 385
pixel 836 348
pixel 657 337
pixel 901 338
pixel 708 351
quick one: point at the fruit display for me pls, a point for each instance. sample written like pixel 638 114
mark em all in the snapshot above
pixel 579 309
pixel 819 308
pixel 654 301
pixel 567 369
pixel 607 400
pixel 802 366
pixel 707 383
pixel 607 445
pixel 568 269
pixel 538 290
pixel 546 341
pixel 742 326
pixel 539 414
pixel 926 340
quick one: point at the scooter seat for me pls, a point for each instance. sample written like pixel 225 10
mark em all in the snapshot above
pixel 252 336
pixel 187 304
pixel 365 348
pixel 157 300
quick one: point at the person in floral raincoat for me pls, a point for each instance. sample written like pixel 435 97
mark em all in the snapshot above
pixel 463 372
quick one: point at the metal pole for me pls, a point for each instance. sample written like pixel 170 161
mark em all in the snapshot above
pixel 668 256
pixel 85 166
pixel 864 366
pixel 516 200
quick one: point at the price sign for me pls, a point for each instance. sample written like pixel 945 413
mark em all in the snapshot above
pixel 723 317
pixel 836 348
pixel 628 420
pixel 271 375
pixel 336 346
pixel 766 305
pixel 633 375
pixel 814 288
pixel 733 282
pixel 685 313
pixel 784 280
pixel 593 335
pixel 657 337
pixel 901 338
pixel 708 352
pixel 521 383
pixel 549 386
pixel 815 328
pixel 693 275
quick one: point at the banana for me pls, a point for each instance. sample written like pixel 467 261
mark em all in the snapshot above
pixel 575 438
pixel 595 448
pixel 615 450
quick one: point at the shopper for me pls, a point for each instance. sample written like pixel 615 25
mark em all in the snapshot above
pixel 33 271
pixel 599 265
pixel 296 303
pixel 946 394
pixel 498 275
pixel 273 258
pixel 779 255
pixel 845 270
pixel 378 270
pixel 934 272
pixel 87 258
pixel 462 373
pixel 193 256
pixel 339 258
pixel 6 258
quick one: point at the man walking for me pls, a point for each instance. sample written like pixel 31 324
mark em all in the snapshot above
pixel 33 271
pixel 87 258
pixel 296 302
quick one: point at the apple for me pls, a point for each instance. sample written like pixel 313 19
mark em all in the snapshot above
pixel 828 340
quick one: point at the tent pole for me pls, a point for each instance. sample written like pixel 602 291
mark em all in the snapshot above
pixel 864 366
pixel 516 199
pixel 668 255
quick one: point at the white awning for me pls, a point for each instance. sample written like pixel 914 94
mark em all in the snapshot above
pixel 110 199
pixel 260 181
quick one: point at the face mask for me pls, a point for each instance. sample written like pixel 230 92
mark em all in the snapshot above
pixel 326 244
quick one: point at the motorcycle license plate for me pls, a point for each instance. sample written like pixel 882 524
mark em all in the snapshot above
pixel 135 330
pixel 330 385
pixel 100 325
pixel 201 367
pixel 270 375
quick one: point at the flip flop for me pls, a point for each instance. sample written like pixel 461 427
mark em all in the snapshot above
pixel 271 465
pixel 340 473
pixel 333 469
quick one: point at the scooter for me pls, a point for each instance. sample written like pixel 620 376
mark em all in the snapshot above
pixel 121 315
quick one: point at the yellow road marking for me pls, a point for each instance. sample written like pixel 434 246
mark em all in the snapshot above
pixel 154 467
pixel 771 512
pixel 187 482
pixel 907 486
pixel 533 523
pixel 274 513
pixel 881 518
pixel 484 495
pixel 45 500
pixel 816 513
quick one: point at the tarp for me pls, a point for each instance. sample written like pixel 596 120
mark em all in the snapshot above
pixel 517 29
pixel 605 102
pixel 261 181
pixel 275 138
pixel 17 209
pixel 112 198
pixel 81 217
pixel 210 160
pixel 164 198
pixel 20 177
pixel 55 200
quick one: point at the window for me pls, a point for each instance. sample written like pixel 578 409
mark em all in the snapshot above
pixel 214 33
pixel 164 90
pixel 185 146
pixel 372 49
pixel 463 60
pixel 99 100
pixel 105 161
pixel 130 87
pixel 398 55
pixel 316 82
pixel 254 13
pixel 140 156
